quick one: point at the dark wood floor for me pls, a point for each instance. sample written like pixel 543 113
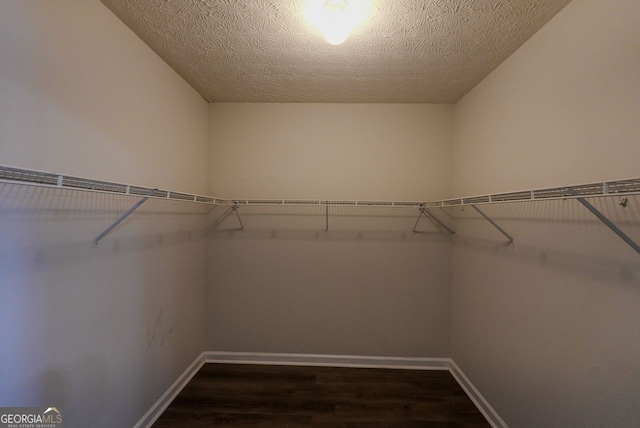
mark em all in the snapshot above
pixel 320 397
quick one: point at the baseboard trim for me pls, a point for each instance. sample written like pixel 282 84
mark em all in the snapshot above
pixel 354 361
pixel 327 360
pixel 478 399
pixel 170 394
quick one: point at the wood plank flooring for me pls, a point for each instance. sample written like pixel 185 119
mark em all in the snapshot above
pixel 235 395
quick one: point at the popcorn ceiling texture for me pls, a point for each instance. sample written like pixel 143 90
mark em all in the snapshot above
pixel 409 51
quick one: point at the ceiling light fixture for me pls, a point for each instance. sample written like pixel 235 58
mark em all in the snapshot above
pixel 336 18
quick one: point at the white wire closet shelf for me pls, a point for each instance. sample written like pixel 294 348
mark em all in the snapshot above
pixel 53 180
pixel 13 175
pixel 626 187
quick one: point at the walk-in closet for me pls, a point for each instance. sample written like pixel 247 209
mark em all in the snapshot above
pixel 218 213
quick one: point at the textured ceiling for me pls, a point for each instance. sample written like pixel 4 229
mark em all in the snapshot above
pixel 266 51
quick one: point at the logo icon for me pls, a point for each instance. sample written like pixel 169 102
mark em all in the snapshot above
pixel 30 417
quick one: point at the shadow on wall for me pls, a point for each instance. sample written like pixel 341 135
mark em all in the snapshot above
pixel 64 379
pixel 547 330
pixel 590 267
pixel 42 212
pixel 370 286
pixel 312 223
pixel 559 235
pixel 94 329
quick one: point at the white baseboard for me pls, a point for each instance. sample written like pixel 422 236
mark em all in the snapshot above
pixel 327 360
pixel 481 403
pixel 170 394
pixel 323 360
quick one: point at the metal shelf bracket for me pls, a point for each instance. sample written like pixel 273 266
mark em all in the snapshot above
pixel 619 188
pixel 235 208
pixel 123 217
pixel 611 225
pixel 430 215
pixel 415 227
pixel 494 224
pixel 326 216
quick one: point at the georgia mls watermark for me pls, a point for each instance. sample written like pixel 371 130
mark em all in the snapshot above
pixel 30 417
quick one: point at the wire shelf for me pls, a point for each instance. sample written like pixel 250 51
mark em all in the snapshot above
pixel 47 179
pixel 15 175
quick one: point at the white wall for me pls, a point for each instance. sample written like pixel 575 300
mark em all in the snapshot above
pixel 546 330
pixel 81 94
pixel 370 286
pixel 330 151
pixel 563 109
pixel 99 333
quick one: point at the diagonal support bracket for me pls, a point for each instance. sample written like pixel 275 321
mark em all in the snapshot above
pixel 494 224
pixel 123 217
pixel 430 215
pixel 235 208
pixel 326 217
pixel 417 221
pixel 611 225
